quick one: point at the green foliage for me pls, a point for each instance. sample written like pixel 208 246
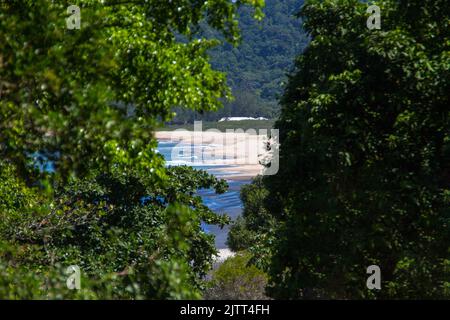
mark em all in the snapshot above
pixel 365 155
pixel 117 230
pixel 82 183
pixel 239 236
pixel 257 68
pixel 58 85
pixel 256 222
pixel 237 279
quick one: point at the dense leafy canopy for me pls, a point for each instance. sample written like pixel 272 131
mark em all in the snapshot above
pixel 365 149
pixel 82 183
pixel 255 222
pixel 365 156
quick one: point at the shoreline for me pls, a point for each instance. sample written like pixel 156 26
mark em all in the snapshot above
pixel 236 156
pixel 238 152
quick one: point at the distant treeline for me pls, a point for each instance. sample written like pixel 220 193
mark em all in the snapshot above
pixel 256 69
pixel 246 125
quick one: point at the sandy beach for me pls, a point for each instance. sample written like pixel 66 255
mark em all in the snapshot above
pixel 233 156
pixel 237 155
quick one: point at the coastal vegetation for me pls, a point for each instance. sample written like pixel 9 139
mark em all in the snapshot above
pixel 364 159
pixel 237 279
pixel 88 203
pixel 82 186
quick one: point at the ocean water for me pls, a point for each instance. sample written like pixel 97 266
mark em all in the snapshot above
pixel 228 203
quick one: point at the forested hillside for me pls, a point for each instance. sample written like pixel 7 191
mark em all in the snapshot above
pixel 256 69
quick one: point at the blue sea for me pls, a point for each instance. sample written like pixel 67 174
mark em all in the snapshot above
pixel 228 203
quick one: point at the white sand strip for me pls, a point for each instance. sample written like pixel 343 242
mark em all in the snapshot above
pixel 242 151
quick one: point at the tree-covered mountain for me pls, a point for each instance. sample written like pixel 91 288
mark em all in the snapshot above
pixel 256 69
